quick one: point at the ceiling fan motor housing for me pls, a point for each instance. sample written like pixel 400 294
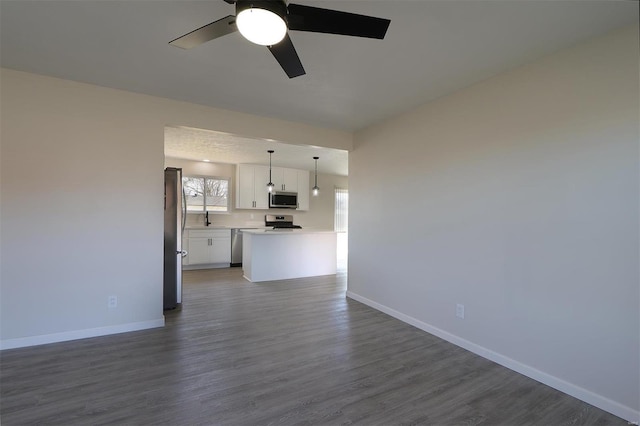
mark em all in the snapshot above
pixel 276 6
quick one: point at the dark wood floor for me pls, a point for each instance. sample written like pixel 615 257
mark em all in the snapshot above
pixel 279 353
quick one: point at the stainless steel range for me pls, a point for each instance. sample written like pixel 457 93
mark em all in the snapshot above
pixel 284 221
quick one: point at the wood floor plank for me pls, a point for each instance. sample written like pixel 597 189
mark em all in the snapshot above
pixel 292 352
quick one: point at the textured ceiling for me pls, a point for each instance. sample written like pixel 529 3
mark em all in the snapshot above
pixel 195 144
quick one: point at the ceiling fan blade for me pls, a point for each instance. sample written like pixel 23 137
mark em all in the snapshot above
pixel 209 32
pixel 287 57
pixel 318 20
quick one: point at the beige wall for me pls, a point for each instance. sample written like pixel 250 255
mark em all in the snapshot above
pixel 519 197
pixel 321 208
pixel 82 196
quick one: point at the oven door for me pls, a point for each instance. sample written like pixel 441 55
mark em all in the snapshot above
pixel 283 200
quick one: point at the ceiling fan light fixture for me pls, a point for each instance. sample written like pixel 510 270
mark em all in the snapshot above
pixel 261 26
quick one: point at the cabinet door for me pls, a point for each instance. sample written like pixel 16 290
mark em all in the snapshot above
pixel 199 250
pixel 303 190
pixel 277 177
pixel 285 179
pixel 221 252
pixel 261 195
pixel 290 180
pixel 245 187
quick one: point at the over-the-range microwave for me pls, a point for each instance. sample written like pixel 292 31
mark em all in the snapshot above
pixel 283 200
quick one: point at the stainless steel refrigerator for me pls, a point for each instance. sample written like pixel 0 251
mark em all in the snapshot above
pixel 174 217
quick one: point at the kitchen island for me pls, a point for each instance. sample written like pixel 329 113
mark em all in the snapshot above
pixel 279 254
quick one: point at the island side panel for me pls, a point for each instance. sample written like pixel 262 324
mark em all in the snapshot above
pixel 278 256
pixel 246 255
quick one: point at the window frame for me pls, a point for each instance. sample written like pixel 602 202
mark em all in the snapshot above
pixel 204 201
pixel 341 209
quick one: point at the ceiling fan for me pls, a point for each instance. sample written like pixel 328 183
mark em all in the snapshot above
pixel 267 22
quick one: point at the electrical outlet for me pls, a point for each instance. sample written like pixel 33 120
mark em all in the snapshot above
pixel 112 302
pixel 460 311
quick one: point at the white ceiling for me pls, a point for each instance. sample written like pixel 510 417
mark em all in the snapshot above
pixel 432 48
pixel 197 144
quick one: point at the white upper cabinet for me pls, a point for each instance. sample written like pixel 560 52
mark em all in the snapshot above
pixel 285 179
pixel 251 187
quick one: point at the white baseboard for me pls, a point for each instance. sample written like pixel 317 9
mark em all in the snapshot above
pixel 585 395
pixel 79 334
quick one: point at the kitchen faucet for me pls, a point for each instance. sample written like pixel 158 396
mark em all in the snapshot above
pixel 206 219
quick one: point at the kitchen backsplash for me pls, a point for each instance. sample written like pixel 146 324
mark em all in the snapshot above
pixel 251 218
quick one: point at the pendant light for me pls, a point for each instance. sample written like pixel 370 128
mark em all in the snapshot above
pixel 315 190
pixel 270 185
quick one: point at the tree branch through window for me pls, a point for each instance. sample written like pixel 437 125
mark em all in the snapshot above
pixel 206 194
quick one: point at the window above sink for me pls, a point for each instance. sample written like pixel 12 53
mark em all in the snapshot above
pixel 206 194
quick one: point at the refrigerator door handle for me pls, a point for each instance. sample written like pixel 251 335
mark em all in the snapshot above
pixel 184 207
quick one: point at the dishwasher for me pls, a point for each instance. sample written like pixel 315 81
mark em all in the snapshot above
pixel 236 247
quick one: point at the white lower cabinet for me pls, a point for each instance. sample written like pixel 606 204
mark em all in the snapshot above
pixel 208 248
pixel 200 250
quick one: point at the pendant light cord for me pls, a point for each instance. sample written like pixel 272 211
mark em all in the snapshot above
pixel 270 185
pixel 315 188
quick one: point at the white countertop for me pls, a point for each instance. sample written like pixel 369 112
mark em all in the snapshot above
pixel 207 227
pixel 202 227
pixel 286 231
